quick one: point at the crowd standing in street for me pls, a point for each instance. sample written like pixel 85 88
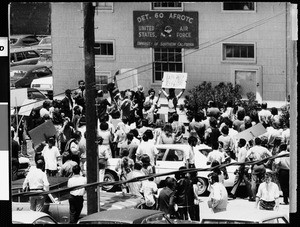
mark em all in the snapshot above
pixel 129 127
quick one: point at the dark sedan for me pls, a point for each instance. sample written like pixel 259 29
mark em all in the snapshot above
pixel 21 76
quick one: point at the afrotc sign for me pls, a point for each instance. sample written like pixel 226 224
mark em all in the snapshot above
pixel 165 29
pixel 127 79
pixel 174 80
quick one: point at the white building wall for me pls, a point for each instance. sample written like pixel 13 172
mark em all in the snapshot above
pixel 201 65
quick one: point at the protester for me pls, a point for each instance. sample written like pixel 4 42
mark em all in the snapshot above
pixel 172 101
pixel 79 95
pixel 134 187
pixel 76 200
pixel 67 104
pixel 267 196
pixel 149 189
pixel 264 114
pixel 139 99
pixel 37 181
pixel 166 197
pixel 148 148
pixel 167 136
pixel 283 169
pixel 178 129
pixel 66 170
pixel 51 155
pixel 73 146
pixel 218 197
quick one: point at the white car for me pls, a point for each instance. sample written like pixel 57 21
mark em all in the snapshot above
pixel 44 85
pixel 167 163
pixel 246 216
pixel 31 217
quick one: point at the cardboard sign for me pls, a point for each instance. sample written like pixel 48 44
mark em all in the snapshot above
pixel 38 133
pixel 28 105
pixel 17 96
pixel 174 80
pixel 252 132
pixel 127 79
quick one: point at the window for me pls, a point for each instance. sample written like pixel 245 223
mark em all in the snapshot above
pixel 105 6
pixel 102 80
pixel 161 153
pixel 166 6
pixel 30 40
pixel 239 6
pixel 105 50
pixel 31 54
pixel 239 52
pixel 166 60
pixel 20 56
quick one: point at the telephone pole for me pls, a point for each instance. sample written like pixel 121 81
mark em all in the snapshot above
pixel 91 120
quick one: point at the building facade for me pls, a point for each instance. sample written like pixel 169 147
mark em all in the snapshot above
pixel 242 43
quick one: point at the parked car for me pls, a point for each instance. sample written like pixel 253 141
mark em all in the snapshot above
pixel 167 163
pixel 23 56
pixel 59 209
pixel 246 216
pixel 44 85
pixel 44 45
pixel 31 217
pixel 22 75
pixel 131 216
pixel 23 40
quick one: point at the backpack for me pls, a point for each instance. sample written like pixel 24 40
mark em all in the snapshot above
pixel 67 150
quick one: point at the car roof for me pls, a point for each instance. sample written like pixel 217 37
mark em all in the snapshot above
pixel 21 36
pixel 45 80
pixel 250 215
pixel 27 67
pixel 27 216
pixel 121 215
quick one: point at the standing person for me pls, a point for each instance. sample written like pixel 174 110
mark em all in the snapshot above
pixel 228 142
pixel 153 100
pixel 218 197
pixel 212 133
pixel 166 197
pixel 139 99
pixel 126 107
pixel 283 169
pixel 241 171
pixel 265 114
pixel 134 187
pixel 267 196
pixel 107 137
pixel 178 128
pixel 184 190
pixel 37 181
pixel 74 147
pixel 51 155
pixel 79 96
pixel 167 136
pixel 172 101
pixel 197 127
pixel 16 150
pixel 44 111
pixel 76 117
pixel 213 110
pixel 120 138
pixel 257 153
pixel 76 200
pixel 65 134
pixel 157 131
pixel 148 189
pixel 67 104
pixel 101 105
pixel 66 169
pixel 190 156
pixel 148 148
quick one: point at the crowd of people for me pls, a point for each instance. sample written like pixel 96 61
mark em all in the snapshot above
pixel 129 126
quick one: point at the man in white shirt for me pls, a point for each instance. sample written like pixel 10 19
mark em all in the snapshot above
pixel 218 197
pixel 37 181
pixel 148 148
pixel 149 188
pixel 51 154
pixel 76 200
pixel 134 187
pixel 264 115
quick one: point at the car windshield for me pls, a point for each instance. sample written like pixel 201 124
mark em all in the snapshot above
pixel 12 41
pixel 46 41
pixel 156 219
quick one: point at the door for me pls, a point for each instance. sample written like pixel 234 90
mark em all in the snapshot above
pixel 250 81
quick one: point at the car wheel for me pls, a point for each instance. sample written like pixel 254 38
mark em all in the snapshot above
pixel 202 187
pixel 110 176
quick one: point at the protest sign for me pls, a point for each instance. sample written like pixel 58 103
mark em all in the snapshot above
pixel 252 132
pixel 39 133
pixel 127 79
pixel 174 80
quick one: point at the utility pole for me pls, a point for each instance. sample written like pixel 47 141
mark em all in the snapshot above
pixel 91 120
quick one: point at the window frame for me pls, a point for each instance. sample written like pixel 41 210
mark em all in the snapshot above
pixel 107 9
pixel 152 8
pixel 236 59
pixel 154 81
pixel 238 11
pixel 107 57
pixel 99 74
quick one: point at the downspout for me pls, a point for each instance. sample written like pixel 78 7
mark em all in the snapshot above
pixel 286 51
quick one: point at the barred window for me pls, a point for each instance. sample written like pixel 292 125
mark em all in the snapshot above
pixel 166 60
pixel 105 6
pixel 101 79
pixel 104 49
pixel 166 6
pixel 237 51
